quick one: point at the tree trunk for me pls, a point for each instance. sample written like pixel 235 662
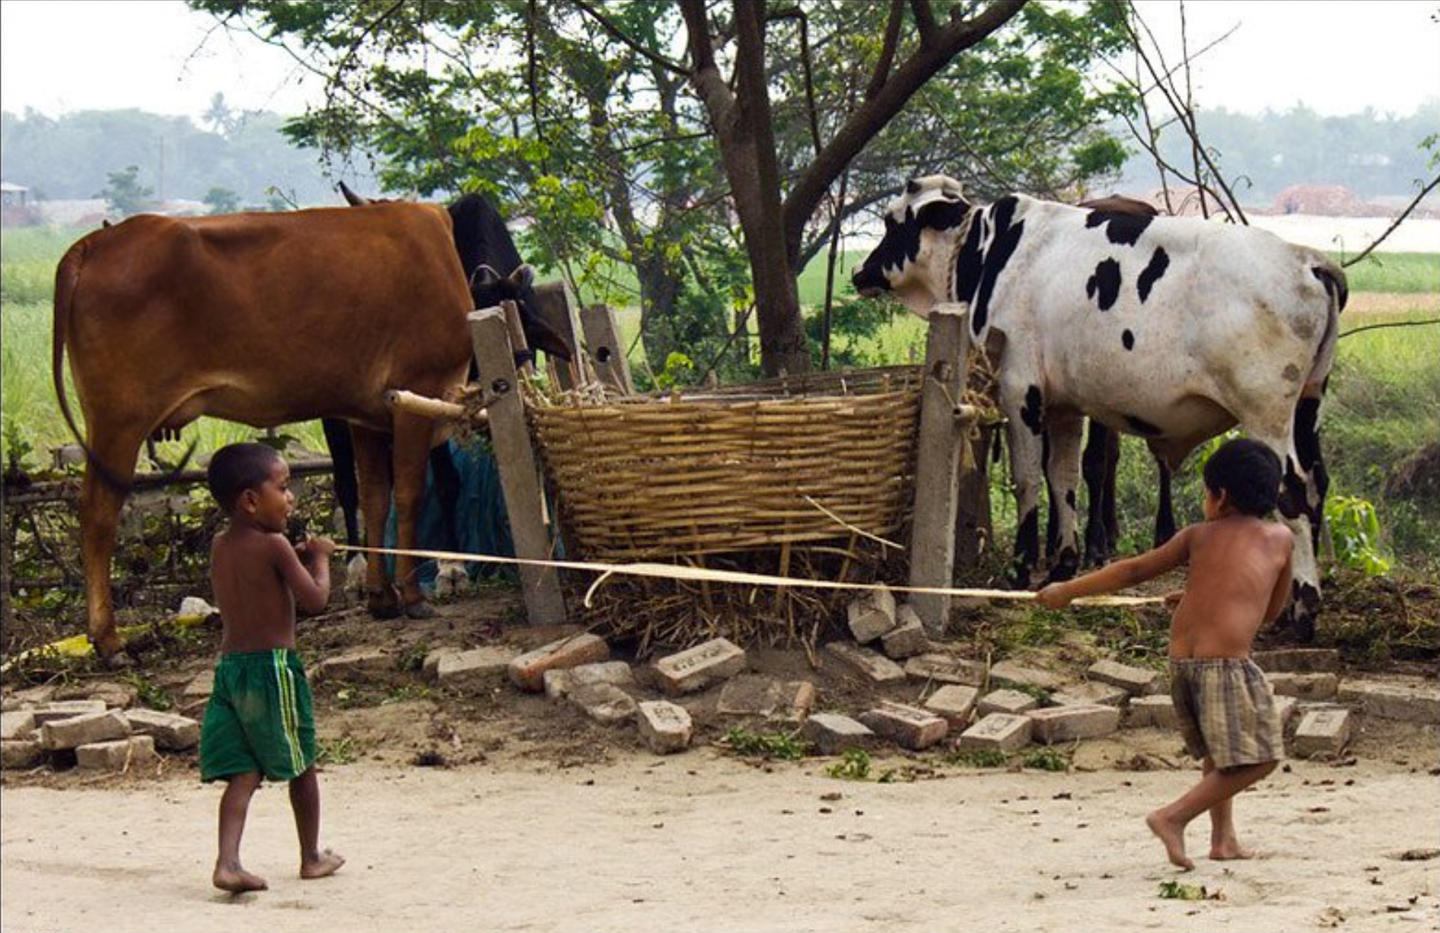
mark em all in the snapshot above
pixel 659 291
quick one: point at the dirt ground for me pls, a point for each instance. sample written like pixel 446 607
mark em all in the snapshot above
pixel 528 816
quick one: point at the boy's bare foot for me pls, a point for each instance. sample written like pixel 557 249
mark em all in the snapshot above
pixel 1229 849
pixel 1172 836
pixel 237 880
pixel 326 863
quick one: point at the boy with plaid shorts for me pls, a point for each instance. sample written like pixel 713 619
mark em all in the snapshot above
pixel 1238 579
pixel 258 723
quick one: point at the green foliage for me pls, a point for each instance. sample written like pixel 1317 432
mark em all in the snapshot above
pixel 17 447
pixel 781 745
pixel 1179 891
pixel 151 696
pixel 412 659
pixel 124 194
pixel 1046 758
pixel 854 765
pixel 978 758
pixel 1355 534
pixel 342 750
pixel 222 200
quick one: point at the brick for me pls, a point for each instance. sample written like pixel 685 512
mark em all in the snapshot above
pixel 1068 723
pixel 476 669
pixel 17 725
pixel 34 696
pixel 1006 701
pixel 1136 681
pixel 1393 701
pixel 65 709
pixel 1153 711
pixel 955 703
pixel 1305 686
pixel 117 755
pixel 20 753
pixel 118 696
pixel 999 732
pixel 1298 660
pixel 832 733
pixel 1090 692
pixel 907 638
pixel 871 615
pixel 906 726
pixel 1025 676
pixel 561 683
pixel 528 670
pixel 353 666
pixel 430 667
pixel 200 686
pixel 605 703
pixel 83 730
pixel 172 733
pixel 1322 732
pixel 749 695
pixel 868 664
pixel 664 726
pixel 946 669
pixel 699 667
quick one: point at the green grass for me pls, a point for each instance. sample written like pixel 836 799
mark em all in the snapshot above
pixel 1396 273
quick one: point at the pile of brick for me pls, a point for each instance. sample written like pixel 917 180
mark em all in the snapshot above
pixel 101 733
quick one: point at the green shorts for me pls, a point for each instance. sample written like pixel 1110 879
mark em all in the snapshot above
pixel 259 718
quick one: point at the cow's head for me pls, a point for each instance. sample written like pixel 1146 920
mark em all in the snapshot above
pixel 488 288
pixel 913 257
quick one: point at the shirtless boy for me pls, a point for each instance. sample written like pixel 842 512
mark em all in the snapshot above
pixel 259 723
pixel 1238 579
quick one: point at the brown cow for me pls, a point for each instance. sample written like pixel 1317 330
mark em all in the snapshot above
pixel 264 319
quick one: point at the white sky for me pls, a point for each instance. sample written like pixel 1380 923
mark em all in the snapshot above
pixel 1337 56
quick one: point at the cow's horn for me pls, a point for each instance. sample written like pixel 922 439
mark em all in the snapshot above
pixel 354 199
pixel 484 276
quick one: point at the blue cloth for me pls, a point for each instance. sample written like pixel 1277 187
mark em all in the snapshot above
pixel 481 524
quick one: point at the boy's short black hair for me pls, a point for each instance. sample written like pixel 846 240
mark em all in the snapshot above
pixel 1247 470
pixel 238 467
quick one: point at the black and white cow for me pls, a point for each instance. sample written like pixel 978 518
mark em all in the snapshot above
pixel 1168 328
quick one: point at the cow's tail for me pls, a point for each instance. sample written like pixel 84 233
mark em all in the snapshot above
pixel 67 279
pixel 1338 292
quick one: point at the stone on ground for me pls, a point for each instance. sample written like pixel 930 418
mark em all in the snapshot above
pixel 664 726
pixel 528 670
pixel 16 754
pixel 1090 692
pixel 871 615
pixel 1136 681
pixel 868 664
pixel 353 666
pixel 476 669
pixel 955 703
pixel 906 726
pixel 997 732
pixel 65 709
pixel 83 730
pixel 1150 712
pixel 561 683
pixel 17 725
pixel 1013 702
pixel 696 668
pixel 1322 733
pixel 605 703
pixel 171 732
pixel 908 637
pixel 1408 703
pixel 832 733
pixel 118 755
pixel 1024 676
pixel 946 669
pixel 1298 660
pixel 1068 723
pixel 1321 686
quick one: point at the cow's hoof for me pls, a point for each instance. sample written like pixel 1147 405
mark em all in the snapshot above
pixel 383 605
pixel 420 610
pixel 1066 565
pixel 118 661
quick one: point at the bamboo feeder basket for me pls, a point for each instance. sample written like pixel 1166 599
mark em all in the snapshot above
pixel 787 461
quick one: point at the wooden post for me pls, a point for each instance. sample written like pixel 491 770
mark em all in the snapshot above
pixel 973 527
pixel 937 459
pixel 519 479
pixel 555 306
pixel 602 339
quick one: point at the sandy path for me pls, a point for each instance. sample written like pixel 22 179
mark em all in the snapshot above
pixel 705 843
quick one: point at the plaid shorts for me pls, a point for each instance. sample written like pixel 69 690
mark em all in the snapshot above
pixel 259 718
pixel 1226 711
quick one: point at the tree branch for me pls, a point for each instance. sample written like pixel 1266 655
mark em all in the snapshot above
pixel 625 39
pixel 1391 229
pixel 887 51
pixel 925 20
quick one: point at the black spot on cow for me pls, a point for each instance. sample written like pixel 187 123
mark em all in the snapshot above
pixel 1304 610
pixel 912 186
pixel 1122 229
pixel 1104 285
pixel 975 274
pixel 1335 284
pixel 1293 501
pixel 1307 433
pixel 942 215
pixel 1142 427
pixel 1128 339
pixel 1033 414
pixel 901 244
pixel 1159 262
pixel 1027 549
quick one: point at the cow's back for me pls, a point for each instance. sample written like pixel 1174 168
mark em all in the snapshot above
pixel 272 317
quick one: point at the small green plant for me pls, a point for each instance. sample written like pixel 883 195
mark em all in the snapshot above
pixel 149 695
pixel 781 745
pixel 341 750
pixel 854 765
pixel 1179 891
pixel 412 659
pixel 978 758
pixel 1355 533
pixel 18 447
pixel 407 692
pixel 1046 759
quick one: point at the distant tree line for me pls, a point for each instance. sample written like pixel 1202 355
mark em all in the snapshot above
pixel 1372 154
pixel 235 160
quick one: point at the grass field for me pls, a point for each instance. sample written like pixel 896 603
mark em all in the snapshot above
pixel 1383 403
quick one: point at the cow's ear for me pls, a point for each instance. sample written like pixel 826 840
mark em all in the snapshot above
pixel 912 186
pixel 484 277
pixel 523 277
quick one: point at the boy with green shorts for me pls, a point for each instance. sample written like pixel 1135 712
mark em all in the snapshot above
pixel 259 722
pixel 1238 580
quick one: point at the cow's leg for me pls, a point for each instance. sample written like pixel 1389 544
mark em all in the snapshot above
pixel 1052 514
pixel 1092 468
pixel 412 454
pixel 1165 511
pixel 1062 472
pixel 1112 467
pixel 372 464
pixel 1023 406
pixel 342 460
pixel 100 502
